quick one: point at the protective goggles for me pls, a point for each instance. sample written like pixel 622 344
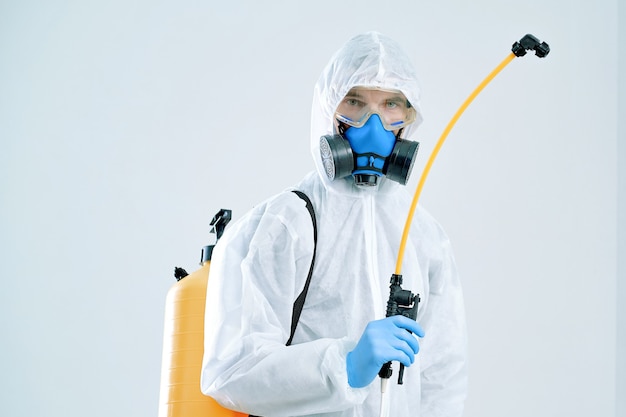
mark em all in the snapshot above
pixel 391 106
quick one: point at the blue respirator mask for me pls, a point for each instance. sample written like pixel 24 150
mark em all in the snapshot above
pixel 368 146
pixel 368 153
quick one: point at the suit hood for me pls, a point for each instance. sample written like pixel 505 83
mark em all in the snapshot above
pixel 367 60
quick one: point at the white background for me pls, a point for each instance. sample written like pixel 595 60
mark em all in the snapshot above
pixel 125 125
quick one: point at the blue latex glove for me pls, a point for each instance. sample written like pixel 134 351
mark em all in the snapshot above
pixel 382 341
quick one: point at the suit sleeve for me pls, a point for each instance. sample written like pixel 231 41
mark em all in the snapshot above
pixel 259 268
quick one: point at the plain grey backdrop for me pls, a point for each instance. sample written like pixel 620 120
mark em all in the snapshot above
pixel 125 125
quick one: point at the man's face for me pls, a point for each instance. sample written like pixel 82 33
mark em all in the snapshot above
pixel 391 106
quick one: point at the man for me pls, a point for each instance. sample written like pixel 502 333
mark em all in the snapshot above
pixel 365 111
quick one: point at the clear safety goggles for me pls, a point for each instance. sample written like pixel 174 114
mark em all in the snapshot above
pixel 391 106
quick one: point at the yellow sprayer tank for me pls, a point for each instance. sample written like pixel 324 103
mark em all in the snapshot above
pixel 183 341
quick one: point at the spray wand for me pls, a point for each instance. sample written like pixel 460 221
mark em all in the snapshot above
pixel 402 301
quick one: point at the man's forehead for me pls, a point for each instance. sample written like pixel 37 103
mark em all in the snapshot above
pixel 373 92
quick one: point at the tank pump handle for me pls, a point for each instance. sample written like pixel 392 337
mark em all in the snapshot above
pixel 529 42
pixel 219 222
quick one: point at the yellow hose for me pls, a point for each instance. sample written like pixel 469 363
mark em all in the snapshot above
pixel 435 151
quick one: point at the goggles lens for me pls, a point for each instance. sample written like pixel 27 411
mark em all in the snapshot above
pixel 391 106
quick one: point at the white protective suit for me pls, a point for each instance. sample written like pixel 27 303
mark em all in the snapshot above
pixel 261 263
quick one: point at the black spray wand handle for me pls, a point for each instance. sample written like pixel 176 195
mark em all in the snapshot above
pixel 400 302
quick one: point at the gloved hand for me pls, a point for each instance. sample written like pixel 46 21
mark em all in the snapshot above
pixel 382 341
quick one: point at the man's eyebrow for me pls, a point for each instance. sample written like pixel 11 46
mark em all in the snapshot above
pixel 354 94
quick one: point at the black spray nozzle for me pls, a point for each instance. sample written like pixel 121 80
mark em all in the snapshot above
pixel 529 42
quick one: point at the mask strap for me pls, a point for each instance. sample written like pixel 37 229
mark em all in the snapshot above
pixel 341 127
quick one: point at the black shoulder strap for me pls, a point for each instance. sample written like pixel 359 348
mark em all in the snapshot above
pixel 299 303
